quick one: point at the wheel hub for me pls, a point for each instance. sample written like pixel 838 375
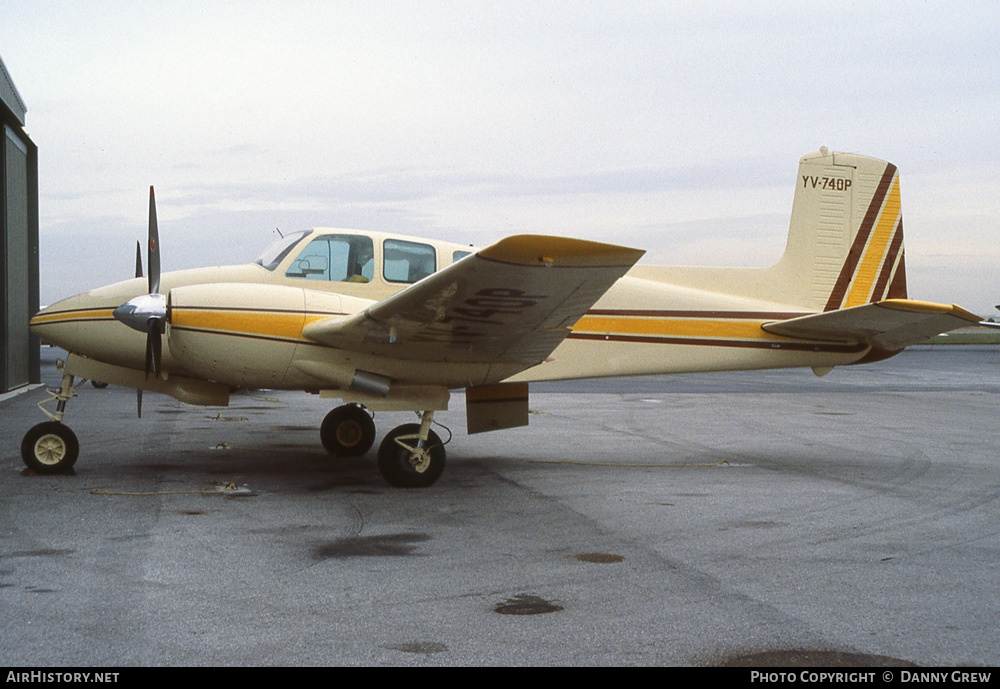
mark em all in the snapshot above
pixel 349 433
pixel 50 449
pixel 420 459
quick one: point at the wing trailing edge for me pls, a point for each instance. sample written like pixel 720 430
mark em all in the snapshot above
pixel 891 324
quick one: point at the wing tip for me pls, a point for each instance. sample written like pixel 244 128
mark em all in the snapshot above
pixel 930 307
pixel 546 250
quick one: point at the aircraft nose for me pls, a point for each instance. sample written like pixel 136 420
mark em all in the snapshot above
pixel 60 323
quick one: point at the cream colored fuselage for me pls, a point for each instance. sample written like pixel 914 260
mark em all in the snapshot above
pixel 242 326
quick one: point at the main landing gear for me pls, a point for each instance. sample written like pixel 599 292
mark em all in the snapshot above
pixel 51 447
pixel 410 456
pixel 348 431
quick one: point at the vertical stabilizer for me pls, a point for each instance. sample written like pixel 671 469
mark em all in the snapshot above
pixel 845 241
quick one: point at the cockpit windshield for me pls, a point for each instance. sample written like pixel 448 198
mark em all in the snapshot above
pixel 276 252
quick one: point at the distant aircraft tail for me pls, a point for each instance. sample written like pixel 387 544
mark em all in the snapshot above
pixel 845 241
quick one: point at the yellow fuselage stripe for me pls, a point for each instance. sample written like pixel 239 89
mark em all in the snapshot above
pixel 281 325
pixel 70 316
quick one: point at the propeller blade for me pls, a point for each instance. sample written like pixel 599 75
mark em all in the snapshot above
pixel 149 353
pixel 154 247
pixel 138 259
pixel 154 347
pixel 155 335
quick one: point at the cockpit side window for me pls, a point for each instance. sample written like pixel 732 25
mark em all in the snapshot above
pixel 275 253
pixel 407 261
pixel 336 258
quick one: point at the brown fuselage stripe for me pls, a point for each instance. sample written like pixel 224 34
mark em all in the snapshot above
pixel 254 309
pixel 64 321
pixel 748 344
pixel 860 240
pixel 758 315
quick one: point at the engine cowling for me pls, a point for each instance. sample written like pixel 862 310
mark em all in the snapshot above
pixel 245 335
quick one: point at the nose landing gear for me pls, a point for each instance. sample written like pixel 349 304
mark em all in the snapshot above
pixel 51 447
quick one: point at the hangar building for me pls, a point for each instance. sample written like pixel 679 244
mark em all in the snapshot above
pixel 19 354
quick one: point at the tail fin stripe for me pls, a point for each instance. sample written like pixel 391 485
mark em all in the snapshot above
pixel 868 270
pixel 878 294
pixel 897 288
pixel 861 240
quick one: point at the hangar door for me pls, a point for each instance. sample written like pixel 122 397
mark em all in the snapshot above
pixel 15 367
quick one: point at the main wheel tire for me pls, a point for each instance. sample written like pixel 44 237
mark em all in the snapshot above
pixel 347 431
pixel 50 448
pixel 399 466
pixel 98 384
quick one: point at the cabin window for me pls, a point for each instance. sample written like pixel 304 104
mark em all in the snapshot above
pixel 407 261
pixel 459 255
pixel 336 258
pixel 276 252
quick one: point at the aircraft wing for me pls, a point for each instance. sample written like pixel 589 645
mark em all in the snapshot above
pixel 891 324
pixel 512 302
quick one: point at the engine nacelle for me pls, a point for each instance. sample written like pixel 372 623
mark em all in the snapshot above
pixel 245 335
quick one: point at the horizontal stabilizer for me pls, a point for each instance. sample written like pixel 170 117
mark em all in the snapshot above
pixel 512 302
pixel 891 324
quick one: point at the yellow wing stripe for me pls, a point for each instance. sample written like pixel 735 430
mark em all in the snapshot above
pixel 929 307
pixel 878 244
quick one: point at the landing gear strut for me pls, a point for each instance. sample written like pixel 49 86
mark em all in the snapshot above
pixel 348 431
pixel 50 447
pixel 412 455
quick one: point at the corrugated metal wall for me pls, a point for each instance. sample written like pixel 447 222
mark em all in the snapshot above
pixel 18 251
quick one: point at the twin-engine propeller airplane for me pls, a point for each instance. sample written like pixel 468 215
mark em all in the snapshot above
pixel 386 322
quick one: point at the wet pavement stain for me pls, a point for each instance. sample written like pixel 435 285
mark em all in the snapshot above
pixel 801 658
pixel 386 545
pixel 601 558
pixel 42 552
pixel 526 604
pixel 424 647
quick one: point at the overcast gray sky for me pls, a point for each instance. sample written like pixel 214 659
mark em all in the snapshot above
pixel 672 126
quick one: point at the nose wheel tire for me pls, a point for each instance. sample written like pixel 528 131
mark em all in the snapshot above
pixel 403 464
pixel 50 448
pixel 347 431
